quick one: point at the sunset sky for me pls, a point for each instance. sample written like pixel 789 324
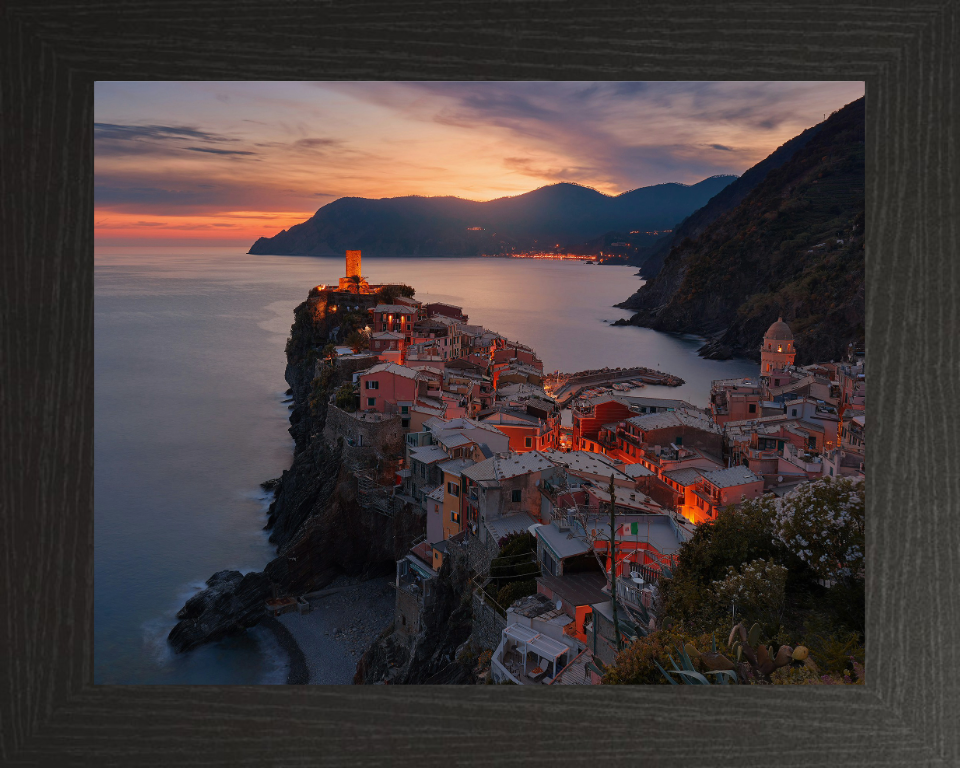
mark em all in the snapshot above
pixel 224 163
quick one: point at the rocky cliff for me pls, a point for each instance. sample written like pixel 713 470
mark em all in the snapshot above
pixel 316 520
pixel 792 247
pixel 432 656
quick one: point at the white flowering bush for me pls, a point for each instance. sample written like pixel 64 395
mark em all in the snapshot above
pixel 823 524
pixel 757 588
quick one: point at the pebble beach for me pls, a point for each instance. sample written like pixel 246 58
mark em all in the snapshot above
pixel 338 629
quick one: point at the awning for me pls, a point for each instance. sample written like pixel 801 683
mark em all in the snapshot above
pixel 542 646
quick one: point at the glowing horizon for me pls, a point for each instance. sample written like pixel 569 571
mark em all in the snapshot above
pixel 226 163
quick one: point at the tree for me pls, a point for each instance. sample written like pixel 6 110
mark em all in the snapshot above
pixel 823 524
pixel 355 282
pixel 739 535
pixel 757 591
pixel 329 352
pixel 346 400
pixel 612 490
pixel 514 570
pixel 389 293
pixel 358 340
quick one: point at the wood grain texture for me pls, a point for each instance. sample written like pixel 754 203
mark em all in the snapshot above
pixel 51 54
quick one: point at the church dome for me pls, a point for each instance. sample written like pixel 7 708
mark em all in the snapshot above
pixel 779 331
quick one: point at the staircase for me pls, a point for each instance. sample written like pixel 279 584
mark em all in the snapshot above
pixel 372 495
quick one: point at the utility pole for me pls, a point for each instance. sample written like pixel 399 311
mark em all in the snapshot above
pixel 613 561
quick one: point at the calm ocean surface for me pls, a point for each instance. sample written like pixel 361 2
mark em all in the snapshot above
pixel 190 419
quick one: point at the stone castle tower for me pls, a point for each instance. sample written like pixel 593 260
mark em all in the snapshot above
pixel 777 351
pixel 353 270
pixel 353 263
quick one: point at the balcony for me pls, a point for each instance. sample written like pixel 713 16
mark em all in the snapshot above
pixel 760 455
pixel 711 499
pixel 630 591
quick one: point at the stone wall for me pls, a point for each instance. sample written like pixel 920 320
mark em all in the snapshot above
pixel 407 615
pixel 347 366
pixel 480 553
pixel 363 441
pixel 487 624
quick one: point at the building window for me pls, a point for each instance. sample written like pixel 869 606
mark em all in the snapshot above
pixel 453 489
pixel 515 496
pixel 528 442
pixel 372 384
pixel 455 517
pixel 404 423
pixel 752 408
pixel 371 401
pixel 404 409
pixel 793 412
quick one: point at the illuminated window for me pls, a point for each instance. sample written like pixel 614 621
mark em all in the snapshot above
pixel 779 347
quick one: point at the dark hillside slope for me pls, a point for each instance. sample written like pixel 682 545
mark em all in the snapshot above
pixel 725 200
pixel 793 247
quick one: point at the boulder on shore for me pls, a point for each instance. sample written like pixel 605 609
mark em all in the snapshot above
pixel 271 485
pixel 230 604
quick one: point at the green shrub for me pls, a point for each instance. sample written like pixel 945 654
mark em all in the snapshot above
pixel 635 663
pixel 515 590
pixel 346 400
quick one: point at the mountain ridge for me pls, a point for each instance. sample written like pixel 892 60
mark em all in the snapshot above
pixel 560 215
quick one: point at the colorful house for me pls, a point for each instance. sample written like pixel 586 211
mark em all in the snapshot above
pixel 723 488
pixel 391 388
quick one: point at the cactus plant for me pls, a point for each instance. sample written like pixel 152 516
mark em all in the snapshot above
pixel 760 660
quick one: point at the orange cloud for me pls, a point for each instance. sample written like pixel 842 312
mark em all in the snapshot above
pixel 242 226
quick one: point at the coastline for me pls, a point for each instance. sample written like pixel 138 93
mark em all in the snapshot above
pixel 297 674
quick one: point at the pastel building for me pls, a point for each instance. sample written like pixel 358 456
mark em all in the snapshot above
pixel 735 400
pixel 723 488
pixel 392 388
pixel 388 346
pixel 395 318
pixel 445 310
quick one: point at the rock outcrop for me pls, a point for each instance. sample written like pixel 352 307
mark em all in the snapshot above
pixel 316 521
pixel 230 603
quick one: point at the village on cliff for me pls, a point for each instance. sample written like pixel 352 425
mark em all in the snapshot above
pixel 465 425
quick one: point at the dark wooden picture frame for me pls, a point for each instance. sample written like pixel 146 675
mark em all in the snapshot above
pixel 50 712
